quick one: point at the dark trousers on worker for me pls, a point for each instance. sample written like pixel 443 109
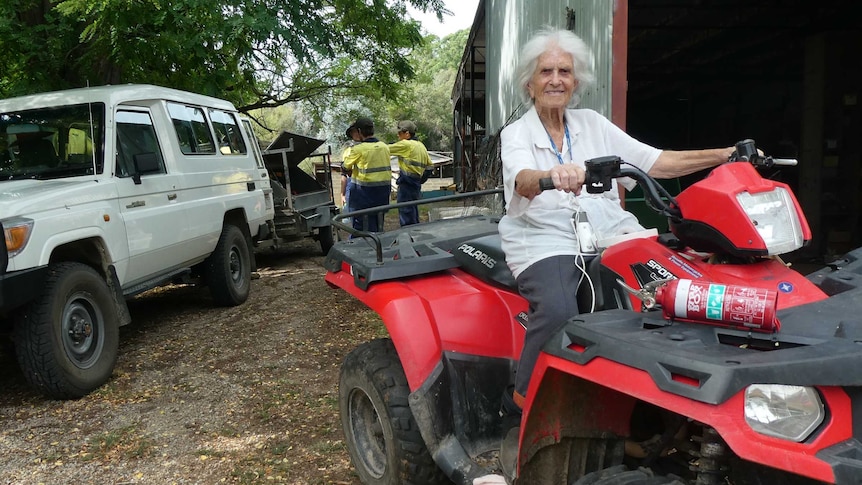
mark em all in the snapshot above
pixel 550 287
pixel 366 197
pixel 409 188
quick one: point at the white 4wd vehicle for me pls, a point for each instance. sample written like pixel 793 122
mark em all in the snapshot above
pixel 107 192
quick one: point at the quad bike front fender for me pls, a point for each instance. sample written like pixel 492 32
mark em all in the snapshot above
pixel 448 311
pixel 407 319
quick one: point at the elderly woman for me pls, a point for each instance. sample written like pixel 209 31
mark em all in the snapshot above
pixel 552 140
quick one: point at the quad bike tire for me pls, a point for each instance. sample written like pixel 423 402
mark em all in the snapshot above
pixel 66 340
pixel 228 268
pixel 622 475
pixel 382 436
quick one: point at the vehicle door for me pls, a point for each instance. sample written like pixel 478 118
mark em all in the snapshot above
pixel 262 175
pixel 149 203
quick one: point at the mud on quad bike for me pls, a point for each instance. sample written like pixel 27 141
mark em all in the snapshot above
pixel 665 382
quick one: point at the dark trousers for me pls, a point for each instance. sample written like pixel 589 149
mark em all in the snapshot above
pixel 366 197
pixel 409 189
pixel 550 287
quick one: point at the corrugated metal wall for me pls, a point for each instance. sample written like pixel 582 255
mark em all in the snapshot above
pixel 510 23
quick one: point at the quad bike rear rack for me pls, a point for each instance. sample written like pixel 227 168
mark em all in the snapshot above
pixel 407 251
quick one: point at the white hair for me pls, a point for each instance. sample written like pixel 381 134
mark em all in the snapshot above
pixel 582 58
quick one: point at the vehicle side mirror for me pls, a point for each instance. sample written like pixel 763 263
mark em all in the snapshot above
pixel 147 162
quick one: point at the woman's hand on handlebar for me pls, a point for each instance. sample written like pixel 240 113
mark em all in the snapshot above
pixel 568 178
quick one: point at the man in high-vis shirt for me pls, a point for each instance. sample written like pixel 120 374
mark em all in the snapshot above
pixel 414 166
pixel 370 174
pixel 355 137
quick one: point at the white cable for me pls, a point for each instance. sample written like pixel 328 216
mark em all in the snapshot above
pixel 581 264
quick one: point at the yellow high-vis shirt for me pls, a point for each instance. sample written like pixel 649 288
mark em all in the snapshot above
pixel 368 163
pixel 413 158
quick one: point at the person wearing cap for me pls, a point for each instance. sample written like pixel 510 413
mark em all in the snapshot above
pixel 370 175
pixel 354 136
pixel 414 166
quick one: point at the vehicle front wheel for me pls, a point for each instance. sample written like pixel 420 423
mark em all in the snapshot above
pixel 66 340
pixel 228 268
pixel 382 435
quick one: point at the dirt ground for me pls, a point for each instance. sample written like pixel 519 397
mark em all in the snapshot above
pixel 203 395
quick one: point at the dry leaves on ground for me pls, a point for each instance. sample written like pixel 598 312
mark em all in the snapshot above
pixel 203 394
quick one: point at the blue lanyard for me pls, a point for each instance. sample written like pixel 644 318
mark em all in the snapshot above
pixel 568 142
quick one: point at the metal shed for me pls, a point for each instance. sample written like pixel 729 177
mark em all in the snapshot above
pixel 684 74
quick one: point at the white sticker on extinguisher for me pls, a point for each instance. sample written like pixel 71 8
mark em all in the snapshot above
pixel 683 300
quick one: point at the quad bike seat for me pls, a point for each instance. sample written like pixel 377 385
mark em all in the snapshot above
pixel 483 258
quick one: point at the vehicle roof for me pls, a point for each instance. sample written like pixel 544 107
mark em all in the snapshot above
pixel 112 95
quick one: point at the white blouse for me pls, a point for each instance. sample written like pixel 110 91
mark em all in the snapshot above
pixel 533 230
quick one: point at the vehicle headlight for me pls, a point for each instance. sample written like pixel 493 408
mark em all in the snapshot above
pixel 17 232
pixel 786 412
pixel 774 217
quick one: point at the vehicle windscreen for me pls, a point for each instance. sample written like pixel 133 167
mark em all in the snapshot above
pixel 50 143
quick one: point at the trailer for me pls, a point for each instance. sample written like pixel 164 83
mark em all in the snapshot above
pixel 304 203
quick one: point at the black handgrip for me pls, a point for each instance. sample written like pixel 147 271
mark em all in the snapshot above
pixel 746 151
pixel 546 184
pixel 597 175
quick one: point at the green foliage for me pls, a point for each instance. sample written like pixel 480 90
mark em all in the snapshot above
pixel 426 99
pixel 256 53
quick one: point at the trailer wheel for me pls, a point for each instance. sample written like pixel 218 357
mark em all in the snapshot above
pixel 622 475
pixel 381 433
pixel 326 236
pixel 66 340
pixel 228 268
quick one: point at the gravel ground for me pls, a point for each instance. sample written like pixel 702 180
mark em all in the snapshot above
pixel 202 394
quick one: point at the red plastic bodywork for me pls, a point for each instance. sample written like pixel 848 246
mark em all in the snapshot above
pixel 449 311
pixel 793 288
pixel 727 418
pixel 712 201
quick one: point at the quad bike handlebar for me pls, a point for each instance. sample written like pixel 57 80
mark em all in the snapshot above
pixel 746 151
pixel 600 171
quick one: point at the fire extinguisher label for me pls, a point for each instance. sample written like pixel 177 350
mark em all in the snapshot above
pixel 715 302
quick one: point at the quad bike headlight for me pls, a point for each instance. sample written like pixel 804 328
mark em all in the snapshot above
pixel 786 412
pixel 17 232
pixel 774 216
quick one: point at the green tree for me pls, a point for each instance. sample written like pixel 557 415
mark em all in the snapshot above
pixel 426 99
pixel 256 53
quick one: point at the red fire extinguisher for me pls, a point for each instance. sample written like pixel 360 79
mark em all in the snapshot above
pixel 744 307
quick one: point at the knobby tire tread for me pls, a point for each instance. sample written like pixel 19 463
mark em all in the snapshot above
pixel 378 363
pixel 35 345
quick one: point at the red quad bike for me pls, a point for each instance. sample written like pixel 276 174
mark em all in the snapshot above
pixel 707 359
